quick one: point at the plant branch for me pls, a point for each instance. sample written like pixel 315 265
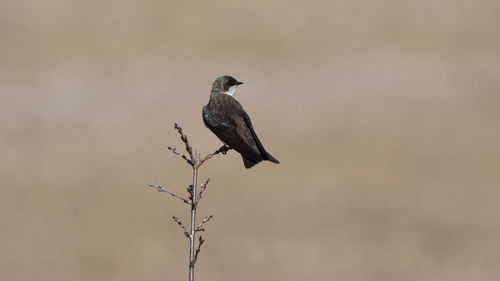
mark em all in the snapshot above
pixel 201 241
pixel 195 161
pixel 192 233
pixel 203 221
pixel 184 139
pixel 175 151
pixel 161 189
pixel 223 149
pixel 202 188
pixel 179 222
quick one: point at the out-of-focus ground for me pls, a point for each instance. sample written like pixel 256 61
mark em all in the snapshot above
pixel 385 116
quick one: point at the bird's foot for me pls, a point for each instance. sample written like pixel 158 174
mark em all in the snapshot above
pixel 224 149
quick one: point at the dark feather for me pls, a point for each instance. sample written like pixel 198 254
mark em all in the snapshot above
pixel 227 119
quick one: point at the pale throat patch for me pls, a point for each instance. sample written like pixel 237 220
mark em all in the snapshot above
pixel 231 90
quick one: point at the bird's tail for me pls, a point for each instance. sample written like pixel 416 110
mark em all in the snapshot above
pixel 269 157
pixel 249 163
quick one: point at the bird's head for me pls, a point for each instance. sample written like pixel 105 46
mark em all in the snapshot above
pixel 225 85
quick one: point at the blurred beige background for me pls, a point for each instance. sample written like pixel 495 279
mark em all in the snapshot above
pixel 384 115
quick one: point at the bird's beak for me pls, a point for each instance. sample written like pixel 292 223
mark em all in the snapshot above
pixel 239 83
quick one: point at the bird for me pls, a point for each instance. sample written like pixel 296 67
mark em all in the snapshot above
pixel 227 119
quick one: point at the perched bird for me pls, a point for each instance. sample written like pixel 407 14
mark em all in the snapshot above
pixel 227 119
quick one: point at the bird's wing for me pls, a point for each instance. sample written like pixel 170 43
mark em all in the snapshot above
pixel 249 125
pixel 228 124
pixel 259 145
pixel 209 120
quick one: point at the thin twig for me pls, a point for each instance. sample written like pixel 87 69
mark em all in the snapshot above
pixel 184 139
pixel 197 156
pixel 223 149
pixel 176 151
pixel 179 222
pixel 203 221
pixel 190 192
pixel 201 241
pixel 202 188
pixel 161 189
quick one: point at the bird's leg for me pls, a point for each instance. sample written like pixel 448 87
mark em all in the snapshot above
pixel 224 149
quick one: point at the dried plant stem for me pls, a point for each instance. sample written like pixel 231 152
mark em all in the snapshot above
pixel 194 203
pixel 195 161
